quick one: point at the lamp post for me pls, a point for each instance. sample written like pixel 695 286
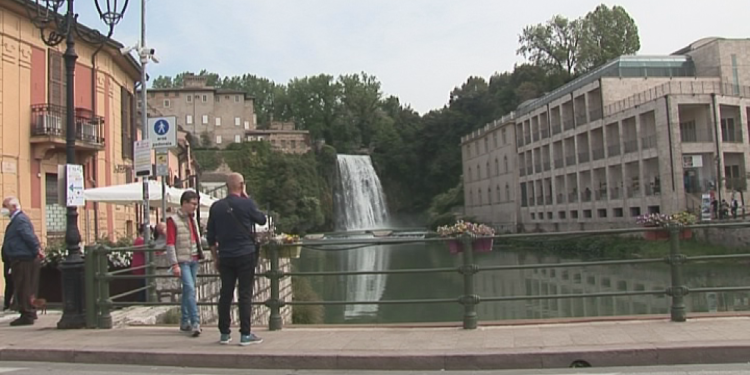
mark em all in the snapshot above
pixel 56 28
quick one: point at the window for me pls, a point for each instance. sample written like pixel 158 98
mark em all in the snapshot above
pixel 487 167
pixel 505 163
pixel 489 196
pixel 479 194
pixel 602 212
pixel 494 139
pixel 205 119
pixel 471 199
pixel 218 121
pixel 283 143
pixel 166 103
pixel 236 98
pixel 217 98
pixel 486 144
pixel 728 131
pixel 497 168
pixel 189 119
pixel 205 98
pixel 507 193
pixel 247 125
pixel 237 139
pixel 126 121
pixel 497 194
pixel 56 81
pixel 218 139
pixel 189 98
pixel 237 121
pixel 294 144
pixel 470 175
pixel 505 137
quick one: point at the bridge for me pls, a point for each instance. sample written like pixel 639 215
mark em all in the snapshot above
pixel 677 337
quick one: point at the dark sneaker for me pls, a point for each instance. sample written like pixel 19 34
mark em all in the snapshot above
pixel 22 321
pixel 250 339
pixel 225 339
pixel 185 327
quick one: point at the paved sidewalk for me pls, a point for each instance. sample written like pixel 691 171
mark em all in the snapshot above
pixel 611 343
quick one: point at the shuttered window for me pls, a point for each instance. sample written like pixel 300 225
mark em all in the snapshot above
pixel 56 91
pixel 126 118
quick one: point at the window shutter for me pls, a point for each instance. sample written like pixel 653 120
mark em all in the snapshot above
pixel 56 90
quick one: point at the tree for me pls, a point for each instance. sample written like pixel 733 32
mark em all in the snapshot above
pixel 552 45
pixel 606 34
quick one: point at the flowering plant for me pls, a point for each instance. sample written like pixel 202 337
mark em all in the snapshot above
pixel 55 253
pixel 662 220
pixel 465 228
pixel 284 238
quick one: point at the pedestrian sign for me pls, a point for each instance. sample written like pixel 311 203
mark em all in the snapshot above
pixel 162 132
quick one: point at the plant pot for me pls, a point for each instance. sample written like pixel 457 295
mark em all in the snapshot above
pixel 479 245
pixel 285 252
pixel 685 234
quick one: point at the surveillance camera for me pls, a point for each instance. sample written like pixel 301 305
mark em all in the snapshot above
pixel 126 50
pixel 151 51
pixel 154 59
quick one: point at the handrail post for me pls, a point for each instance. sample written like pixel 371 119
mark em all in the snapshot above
pixel 90 271
pixel 677 290
pixel 468 269
pixel 105 318
pixel 150 272
pixel 274 302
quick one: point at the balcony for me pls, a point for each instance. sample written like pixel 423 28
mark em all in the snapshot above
pixel 545 133
pixel 536 136
pixel 634 192
pixel 614 193
pixel 631 146
pixel 570 160
pixel 573 197
pixel 48 128
pixel 538 167
pixel 540 200
pixel 581 119
pixel 559 163
pixel 569 124
pixel 560 198
pixel 547 166
pixel 528 139
pixel 731 136
pixel 613 150
pixel 601 195
pixel 529 170
pixel 583 156
pixel 648 142
pixel 598 153
pixel 548 200
pixel 586 195
pixel 688 135
pixel 556 129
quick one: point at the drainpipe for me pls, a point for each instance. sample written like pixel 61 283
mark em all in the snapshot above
pixel 718 153
pixel 95 174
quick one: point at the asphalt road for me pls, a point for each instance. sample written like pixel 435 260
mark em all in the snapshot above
pixel 26 368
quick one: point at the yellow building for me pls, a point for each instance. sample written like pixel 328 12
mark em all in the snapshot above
pixel 32 126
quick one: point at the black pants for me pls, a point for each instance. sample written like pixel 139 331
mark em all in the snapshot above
pixel 26 282
pixel 8 293
pixel 238 271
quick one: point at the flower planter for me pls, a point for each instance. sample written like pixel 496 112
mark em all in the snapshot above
pixel 479 245
pixel 286 252
pixel 685 234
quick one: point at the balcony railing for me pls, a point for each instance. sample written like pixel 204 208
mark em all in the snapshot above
pixel 538 167
pixel 559 163
pixel 547 166
pixel 634 191
pixel 545 133
pixel 536 136
pixel 731 137
pixel 598 153
pixel 529 170
pixel 560 198
pixel 696 135
pixel 528 139
pixel 648 142
pixel 586 196
pixel 631 146
pixel 601 195
pixel 570 160
pixel 556 129
pixel 548 200
pixel 583 156
pixel 614 193
pixel 573 197
pixel 613 150
pixel 49 120
pixel 652 190
pixel 569 124
pixel 540 200
pixel 581 119
pixel 595 114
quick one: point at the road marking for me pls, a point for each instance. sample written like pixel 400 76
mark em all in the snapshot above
pixel 4 370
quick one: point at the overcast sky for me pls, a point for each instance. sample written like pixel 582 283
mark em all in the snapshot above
pixel 418 49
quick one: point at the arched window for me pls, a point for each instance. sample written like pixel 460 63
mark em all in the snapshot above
pixel 469 174
pixel 497 194
pixel 497 168
pixel 486 144
pixel 489 196
pixel 479 194
pixel 505 163
pixel 478 174
pixel 487 167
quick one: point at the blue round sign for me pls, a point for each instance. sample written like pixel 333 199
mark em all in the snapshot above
pixel 161 127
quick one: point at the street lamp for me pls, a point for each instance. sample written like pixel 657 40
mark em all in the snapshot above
pixel 56 28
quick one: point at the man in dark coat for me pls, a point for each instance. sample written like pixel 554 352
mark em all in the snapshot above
pixel 22 250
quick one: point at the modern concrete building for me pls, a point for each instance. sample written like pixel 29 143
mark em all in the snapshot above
pixel 283 137
pixel 217 117
pixel 638 135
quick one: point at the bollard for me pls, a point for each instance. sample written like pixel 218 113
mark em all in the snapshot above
pixel 468 269
pixel 90 265
pixel 274 302
pixel 105 319
pixel 677 290
pixel 150 273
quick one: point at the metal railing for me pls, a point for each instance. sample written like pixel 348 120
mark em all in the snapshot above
pixel 99 303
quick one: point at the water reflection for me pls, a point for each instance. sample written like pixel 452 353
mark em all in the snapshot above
pixel 548 281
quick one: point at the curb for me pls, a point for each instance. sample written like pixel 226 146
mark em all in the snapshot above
pixel 531 358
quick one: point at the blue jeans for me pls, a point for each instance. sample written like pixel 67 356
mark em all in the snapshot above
pixel 189 304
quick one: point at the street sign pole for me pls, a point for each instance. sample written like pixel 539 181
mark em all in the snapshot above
pixel 162 170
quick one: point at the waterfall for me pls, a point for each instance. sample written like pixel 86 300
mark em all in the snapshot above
pixel 360 204
pixel 360 201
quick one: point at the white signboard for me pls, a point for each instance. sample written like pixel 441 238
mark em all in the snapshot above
pixel 142 158
pixel 692 161
pixel 162 132
pixel 162 163
pixel 74 185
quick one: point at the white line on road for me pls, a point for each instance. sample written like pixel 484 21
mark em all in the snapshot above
pixel 4 370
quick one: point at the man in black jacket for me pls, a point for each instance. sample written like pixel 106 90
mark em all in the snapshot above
pixel 21 249
pixel 231 236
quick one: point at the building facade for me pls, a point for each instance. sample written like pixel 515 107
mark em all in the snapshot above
pixel 283 137
pixel 217 117
pixel 32 140
pixel 637 135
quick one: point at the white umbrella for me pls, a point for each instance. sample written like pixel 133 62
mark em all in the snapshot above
pixel 127 194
